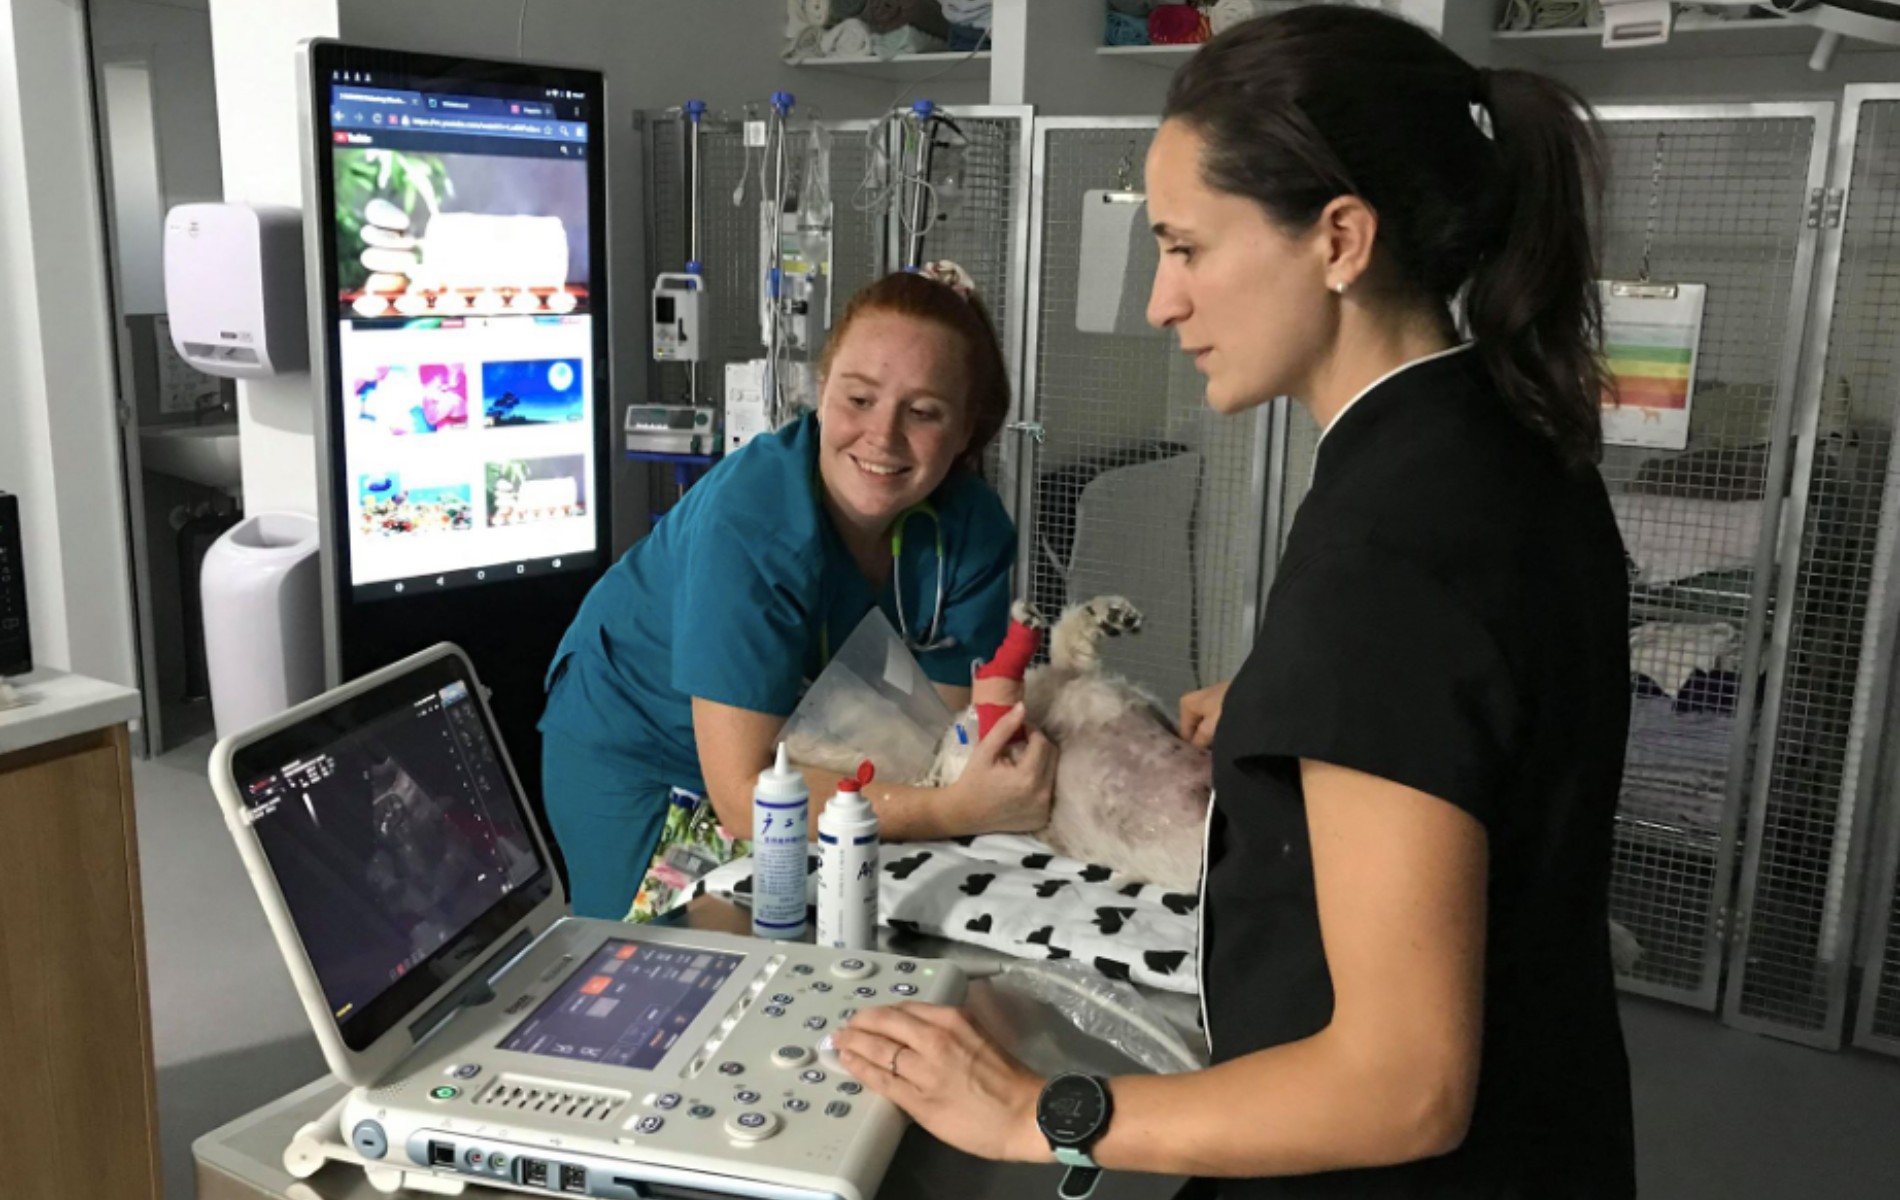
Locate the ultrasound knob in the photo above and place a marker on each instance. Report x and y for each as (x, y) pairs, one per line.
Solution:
(752, 1126)
(790, 1056)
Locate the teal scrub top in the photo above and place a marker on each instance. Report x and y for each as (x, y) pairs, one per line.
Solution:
(738, 594)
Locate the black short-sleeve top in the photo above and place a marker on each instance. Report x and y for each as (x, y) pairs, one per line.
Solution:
(1450, 614)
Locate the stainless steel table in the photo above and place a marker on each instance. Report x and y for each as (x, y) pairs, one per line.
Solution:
(244, 1159)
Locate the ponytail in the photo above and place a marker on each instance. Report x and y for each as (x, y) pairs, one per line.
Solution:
(1533, 303)
(1482, 182)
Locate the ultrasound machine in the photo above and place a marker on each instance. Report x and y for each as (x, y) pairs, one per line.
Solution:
(490, 1038)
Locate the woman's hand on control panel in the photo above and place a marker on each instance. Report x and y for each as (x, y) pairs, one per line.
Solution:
(950, 1077)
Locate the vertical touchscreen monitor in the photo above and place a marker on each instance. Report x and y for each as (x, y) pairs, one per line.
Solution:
(461, 236)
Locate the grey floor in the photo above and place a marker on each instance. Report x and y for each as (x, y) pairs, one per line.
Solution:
(1720, 1114)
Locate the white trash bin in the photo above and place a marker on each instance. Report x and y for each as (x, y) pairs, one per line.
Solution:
(263, 614)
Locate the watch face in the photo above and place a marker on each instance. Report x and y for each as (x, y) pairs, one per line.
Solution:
(1072, 1109)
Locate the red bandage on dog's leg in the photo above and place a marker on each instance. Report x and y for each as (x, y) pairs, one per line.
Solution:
(1014, 656)
(997, 685)
(987, 715)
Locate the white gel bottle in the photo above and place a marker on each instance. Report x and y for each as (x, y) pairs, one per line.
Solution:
(847, 867)
(781, 824)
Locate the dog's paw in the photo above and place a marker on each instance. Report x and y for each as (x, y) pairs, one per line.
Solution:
(1028, 615)
(1114, 615)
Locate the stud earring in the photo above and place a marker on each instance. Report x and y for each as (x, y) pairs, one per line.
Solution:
(1339, 287)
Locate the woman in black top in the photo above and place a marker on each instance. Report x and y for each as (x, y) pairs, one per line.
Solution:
(1406, 974)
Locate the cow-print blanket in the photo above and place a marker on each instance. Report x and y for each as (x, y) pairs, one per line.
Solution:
(1014, 895)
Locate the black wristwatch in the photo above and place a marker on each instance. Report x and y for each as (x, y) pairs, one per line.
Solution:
(1073, 1113)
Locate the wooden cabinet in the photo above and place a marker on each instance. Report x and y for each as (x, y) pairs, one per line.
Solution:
(81, 1113)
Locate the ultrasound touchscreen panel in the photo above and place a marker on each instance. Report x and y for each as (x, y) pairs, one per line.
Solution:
(394, 833)
(627, 1006)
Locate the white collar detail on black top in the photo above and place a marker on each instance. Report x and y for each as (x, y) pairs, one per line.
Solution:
(1373, 386)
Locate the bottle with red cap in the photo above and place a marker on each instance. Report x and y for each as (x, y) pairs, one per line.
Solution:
(847, 867)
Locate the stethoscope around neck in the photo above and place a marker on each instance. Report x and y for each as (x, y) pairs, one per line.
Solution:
(932, 639)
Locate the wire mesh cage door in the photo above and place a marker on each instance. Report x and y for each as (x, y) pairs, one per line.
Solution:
(978, 217)
(1815, 779)
(1135, 487)
(1717, 196)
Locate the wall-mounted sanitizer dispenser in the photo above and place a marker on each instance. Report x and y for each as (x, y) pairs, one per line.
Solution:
(234, 288)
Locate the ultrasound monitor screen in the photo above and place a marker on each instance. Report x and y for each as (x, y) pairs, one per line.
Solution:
(627, 1006)
(398, 842)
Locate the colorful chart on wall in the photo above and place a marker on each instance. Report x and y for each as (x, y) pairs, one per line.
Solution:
(1650, 335)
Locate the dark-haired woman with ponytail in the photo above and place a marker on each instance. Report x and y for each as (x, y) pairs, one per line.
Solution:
(1405, 965)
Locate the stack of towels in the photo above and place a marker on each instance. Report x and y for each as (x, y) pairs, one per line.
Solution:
(884, 28)
(1160, 23)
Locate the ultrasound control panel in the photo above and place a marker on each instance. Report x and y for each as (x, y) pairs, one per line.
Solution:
(699, 1066)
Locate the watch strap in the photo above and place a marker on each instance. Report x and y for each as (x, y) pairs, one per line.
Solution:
(1078, 1183)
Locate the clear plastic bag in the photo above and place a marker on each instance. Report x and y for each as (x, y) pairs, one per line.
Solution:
(873, 701)
(1106, 1010)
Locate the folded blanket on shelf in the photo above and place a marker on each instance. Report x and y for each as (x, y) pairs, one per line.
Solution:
(1014, 895)
(1177, 25)
(889, 16)
(808, 42)
(826, 13)
(1126, 30)
(847, 39)
(965, 38)
(908, 40)
(1228, 13)
(1520, 15)
(976, 13)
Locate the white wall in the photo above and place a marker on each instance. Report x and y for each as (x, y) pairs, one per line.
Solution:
(59, 442)
(254, 46)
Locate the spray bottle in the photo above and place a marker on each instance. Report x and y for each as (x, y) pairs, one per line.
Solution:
(781, 815)
(847, 867)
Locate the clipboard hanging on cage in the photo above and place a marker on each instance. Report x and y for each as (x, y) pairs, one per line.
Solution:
(1651, 332)
(1118, 258)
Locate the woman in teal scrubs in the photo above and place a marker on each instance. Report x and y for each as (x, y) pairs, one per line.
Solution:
(693, 649)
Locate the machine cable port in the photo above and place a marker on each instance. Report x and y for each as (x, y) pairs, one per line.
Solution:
(534, 1172)
(574, 1179)
(441, 1154)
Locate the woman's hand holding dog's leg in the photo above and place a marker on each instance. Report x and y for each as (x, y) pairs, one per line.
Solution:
(1007, 789)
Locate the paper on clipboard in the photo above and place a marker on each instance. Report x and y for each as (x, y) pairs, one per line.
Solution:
(1650, 334)
(1119, 257)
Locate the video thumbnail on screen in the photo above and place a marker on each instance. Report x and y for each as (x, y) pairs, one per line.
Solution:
(404, 400)
(536, 392)
(526, 491)
(386, 508)
(448, 235)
